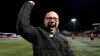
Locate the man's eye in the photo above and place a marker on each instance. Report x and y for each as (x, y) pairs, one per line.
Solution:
(55, 18)
(48, 18)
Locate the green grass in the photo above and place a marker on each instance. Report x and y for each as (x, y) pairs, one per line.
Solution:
(82, 46)
(20, 47)
(15, 47)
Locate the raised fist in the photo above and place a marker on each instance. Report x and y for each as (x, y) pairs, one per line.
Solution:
(32, 2)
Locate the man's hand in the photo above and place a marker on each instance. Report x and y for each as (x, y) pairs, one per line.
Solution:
(32, 2)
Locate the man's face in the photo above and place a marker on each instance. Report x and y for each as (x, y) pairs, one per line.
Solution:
(51, 20)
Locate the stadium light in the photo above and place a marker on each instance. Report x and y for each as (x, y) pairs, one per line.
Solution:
(73, 20)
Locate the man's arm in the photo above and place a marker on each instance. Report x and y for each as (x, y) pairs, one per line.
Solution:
(23, 26)
(69, 50)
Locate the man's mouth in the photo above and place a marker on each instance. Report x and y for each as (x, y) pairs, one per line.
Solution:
(51, 25)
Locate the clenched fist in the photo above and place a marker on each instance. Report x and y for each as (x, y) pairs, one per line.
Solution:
(32, 2)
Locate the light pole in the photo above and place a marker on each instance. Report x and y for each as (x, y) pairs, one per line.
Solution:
(73, 20)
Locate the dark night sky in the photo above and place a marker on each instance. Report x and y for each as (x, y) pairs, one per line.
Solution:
(85, 11)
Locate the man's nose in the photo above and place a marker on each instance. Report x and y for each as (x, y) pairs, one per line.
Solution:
(52, 20)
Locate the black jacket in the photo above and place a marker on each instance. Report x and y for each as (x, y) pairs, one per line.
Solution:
(43, 44)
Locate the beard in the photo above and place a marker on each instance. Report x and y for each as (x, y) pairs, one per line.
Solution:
(51, 25)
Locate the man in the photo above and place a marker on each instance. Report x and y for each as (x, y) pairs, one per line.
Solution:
(73, 36)
(92, 37)
(46, 39)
